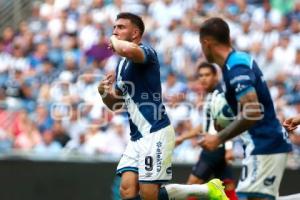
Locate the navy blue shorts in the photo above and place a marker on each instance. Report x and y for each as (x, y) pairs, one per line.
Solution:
(212, 164)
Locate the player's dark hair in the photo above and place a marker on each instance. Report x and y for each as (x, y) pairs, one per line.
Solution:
(217, 28)
(135, 19)
(212, 68)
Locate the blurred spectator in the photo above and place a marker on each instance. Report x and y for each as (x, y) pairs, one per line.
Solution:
(117, 136)
(48, 145)
(173, 88)
(63, 90)
(47, 74)
(99, 52)
(77, 146)
(8, 37)
(38, 56)
(88, 34)
(266, 12)
(5, 141)
(284, 50)
(59, 133)
(76, 124)
(293, 70)
(96, 140)
(29, 136)
(295, 13)
(41, 117)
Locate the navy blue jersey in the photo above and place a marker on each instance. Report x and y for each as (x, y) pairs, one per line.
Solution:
(241, 75)
(140, 86)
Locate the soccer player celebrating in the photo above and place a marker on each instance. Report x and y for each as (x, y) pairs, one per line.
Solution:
(247, 94)
(146, 162)
(210, 163)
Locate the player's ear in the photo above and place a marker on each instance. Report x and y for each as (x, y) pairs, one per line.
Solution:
(205, 41)
(135, 34)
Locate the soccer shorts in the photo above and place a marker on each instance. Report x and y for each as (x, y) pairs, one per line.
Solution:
(261, 176)
(212, 164)
(150, 156)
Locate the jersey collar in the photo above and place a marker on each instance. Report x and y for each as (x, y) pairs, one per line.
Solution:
(231, 52)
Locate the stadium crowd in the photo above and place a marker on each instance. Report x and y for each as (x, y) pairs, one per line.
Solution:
(50, 67)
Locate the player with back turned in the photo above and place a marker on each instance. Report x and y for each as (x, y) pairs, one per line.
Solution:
(146, 162)
(210, 163)
(266, 142)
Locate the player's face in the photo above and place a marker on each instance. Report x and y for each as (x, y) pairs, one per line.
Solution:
(205, 45)
(207, 79)
(124, 30)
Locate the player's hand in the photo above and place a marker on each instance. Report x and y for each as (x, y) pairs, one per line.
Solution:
(105, 85)
(178, 140)
(291, 124)
(110, 43)
(229, 155)
(209, 142)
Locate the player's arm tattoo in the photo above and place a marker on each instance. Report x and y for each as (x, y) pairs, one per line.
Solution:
(250, 112)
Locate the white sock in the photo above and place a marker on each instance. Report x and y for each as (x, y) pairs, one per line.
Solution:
(181, 192)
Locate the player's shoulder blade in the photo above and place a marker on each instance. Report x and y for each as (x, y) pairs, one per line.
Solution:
(147, 47)
(238, 58)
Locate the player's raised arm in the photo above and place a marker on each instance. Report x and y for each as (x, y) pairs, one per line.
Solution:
(110, 97)
(127, 49)
(189, 134)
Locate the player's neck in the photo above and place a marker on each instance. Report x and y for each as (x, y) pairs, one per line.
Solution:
(212, 88)
(136, 41)
(221, 55)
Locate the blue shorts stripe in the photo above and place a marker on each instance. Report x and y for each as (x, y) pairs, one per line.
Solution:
(255, 195)
(126, 169)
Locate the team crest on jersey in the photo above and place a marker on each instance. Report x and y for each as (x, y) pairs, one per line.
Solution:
(269, 180)
(122, 86)
(239, 87)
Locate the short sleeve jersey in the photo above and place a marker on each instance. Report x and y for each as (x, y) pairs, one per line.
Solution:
(140, 86)
(241, 75)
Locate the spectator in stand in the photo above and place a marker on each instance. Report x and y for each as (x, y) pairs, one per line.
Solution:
(48, 145)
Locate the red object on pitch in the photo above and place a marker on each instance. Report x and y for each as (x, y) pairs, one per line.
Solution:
(230, 189)
(192, 198)
(231, 194)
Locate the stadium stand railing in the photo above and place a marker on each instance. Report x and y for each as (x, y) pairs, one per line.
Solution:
(12, 12)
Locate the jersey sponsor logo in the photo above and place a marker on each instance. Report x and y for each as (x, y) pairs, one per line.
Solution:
(269, 181)
(169, 170)
(158, 156)
(148, 174)
(144, 95)
(239, 78)
(240, 88)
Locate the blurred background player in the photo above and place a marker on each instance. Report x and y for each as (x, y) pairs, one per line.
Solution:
(266, 142)
(211, 163)
(146, 162)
